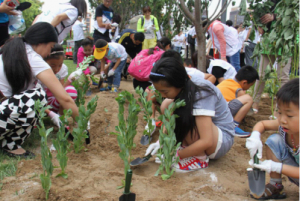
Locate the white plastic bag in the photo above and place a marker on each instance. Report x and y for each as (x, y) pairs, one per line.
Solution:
(16, 23)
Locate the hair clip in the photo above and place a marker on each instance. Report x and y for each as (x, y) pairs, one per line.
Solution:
(56, 52)
(157, 74)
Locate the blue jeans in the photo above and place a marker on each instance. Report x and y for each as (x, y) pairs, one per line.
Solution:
(277, 145)
(234, 60)
(177, 49)
(116, 78)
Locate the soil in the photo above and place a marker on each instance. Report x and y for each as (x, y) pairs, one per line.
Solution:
(96, 173)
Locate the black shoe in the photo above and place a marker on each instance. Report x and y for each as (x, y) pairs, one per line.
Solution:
(23, 6)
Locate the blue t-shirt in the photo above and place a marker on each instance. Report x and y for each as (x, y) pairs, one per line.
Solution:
(3, 16)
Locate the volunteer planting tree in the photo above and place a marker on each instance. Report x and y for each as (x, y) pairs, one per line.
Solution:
(45, 151)
(168, 142)
(147, 108)
(62, 144)
(126, 130)
(81, 133)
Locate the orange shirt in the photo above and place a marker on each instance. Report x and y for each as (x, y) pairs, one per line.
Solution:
(229, 89)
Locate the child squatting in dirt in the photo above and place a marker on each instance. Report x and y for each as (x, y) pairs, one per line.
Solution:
(283, 148)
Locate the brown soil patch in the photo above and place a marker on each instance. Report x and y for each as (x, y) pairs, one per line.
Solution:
(95, 174)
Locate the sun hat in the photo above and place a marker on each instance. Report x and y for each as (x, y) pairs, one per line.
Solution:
(100, 49)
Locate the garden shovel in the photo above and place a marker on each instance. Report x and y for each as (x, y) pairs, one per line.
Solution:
(89, 92)
(139, 161)
(145, 140)
(127, 195)
(256, 179)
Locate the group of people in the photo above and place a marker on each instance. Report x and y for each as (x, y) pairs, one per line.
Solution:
(216, 101)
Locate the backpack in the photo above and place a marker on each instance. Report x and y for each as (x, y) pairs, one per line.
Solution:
(142, 64)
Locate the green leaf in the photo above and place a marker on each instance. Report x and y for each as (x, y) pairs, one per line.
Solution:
(288, 34)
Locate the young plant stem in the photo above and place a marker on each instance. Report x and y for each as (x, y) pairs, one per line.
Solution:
(168, 142)
(126, 130)
(45, 151)
(80, 133)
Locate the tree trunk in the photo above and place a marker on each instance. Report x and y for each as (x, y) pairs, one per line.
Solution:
(201, 47)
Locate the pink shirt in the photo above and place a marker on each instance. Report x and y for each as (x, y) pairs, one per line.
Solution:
(218, 29)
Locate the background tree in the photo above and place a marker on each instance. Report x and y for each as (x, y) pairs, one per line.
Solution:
(201, 9)
(30, 13)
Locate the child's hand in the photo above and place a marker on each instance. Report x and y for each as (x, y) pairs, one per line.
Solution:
(153, 148)
(269, 166)
(75, 75)
(254, 144)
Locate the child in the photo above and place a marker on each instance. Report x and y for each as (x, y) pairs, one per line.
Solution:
(204, 125)
(197, 73)
(234, 92)
(117, 54)
(283, 148)
(222, 70)
(55, 61)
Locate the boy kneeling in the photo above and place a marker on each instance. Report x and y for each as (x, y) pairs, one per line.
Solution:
(234, 92)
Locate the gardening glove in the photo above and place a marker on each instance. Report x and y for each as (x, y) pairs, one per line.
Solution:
(111, 72)
(246, 44)
(54, 118)
(254, 144)
(88, 125)
(269, 166)
(75, 75)
(102, 74)
(153, 148)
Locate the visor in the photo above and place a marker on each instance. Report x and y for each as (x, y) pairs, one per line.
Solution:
(99, 53)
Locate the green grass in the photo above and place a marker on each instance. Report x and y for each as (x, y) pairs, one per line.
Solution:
(71, 66)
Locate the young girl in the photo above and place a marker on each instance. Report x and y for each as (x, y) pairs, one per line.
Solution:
(204, 126)
(283, 148)
(55, 61)
(18, 79)
(62, 16)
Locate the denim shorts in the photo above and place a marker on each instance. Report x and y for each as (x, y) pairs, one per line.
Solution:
(277, 145)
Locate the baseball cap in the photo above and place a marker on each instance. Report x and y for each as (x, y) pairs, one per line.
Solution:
(100, 49)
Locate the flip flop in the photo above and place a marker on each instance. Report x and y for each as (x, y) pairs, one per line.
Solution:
(255, 111)
(26, 155)
(23, 6)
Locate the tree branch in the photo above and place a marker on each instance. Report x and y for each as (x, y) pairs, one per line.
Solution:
(224, 7)
(186, 11)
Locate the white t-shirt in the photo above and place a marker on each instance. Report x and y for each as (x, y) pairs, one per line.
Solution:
(179, 40)
(78, 31)
(116, 51)
(62, 73)
(196, 75)
(230, 70)
(149, 33)
(37, 64)
(52, 10)
(192, 32)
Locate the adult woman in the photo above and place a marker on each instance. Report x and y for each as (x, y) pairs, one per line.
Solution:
(149, 26)
(63, 16)
(18, 80)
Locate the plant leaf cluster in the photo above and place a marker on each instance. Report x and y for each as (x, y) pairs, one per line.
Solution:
(167, 140)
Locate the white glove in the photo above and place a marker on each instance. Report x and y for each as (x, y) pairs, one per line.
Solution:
(88, 125)
(102, 74)
(246, 44)
(75, 75)
(254, 144)
(54, 118)
(114, 24)
(269, 166)
(153, 148)
(111, 72)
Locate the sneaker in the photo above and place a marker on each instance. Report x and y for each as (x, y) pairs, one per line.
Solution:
(114, 90)
(240, 133)
(108, 88)
(191, 164)
(154, 127)
(95, 83)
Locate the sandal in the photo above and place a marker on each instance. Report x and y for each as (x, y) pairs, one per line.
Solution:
(26, 155)
(255, 111)
(272, 192)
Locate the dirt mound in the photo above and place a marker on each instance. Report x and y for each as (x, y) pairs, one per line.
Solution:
(96, 173)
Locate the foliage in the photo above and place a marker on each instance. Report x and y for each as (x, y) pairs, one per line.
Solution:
(61, 143)
(283, 37)
(168, 142)
(147, 108)
(30, 13)
(45, 151)
(81, 85)
(126, 130)
(80, 133)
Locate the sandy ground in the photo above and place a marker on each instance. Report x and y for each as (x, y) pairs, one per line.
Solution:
(96, 173)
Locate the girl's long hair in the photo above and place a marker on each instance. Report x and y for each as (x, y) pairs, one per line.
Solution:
(81, 7)
(56, 52)
(15, 62)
